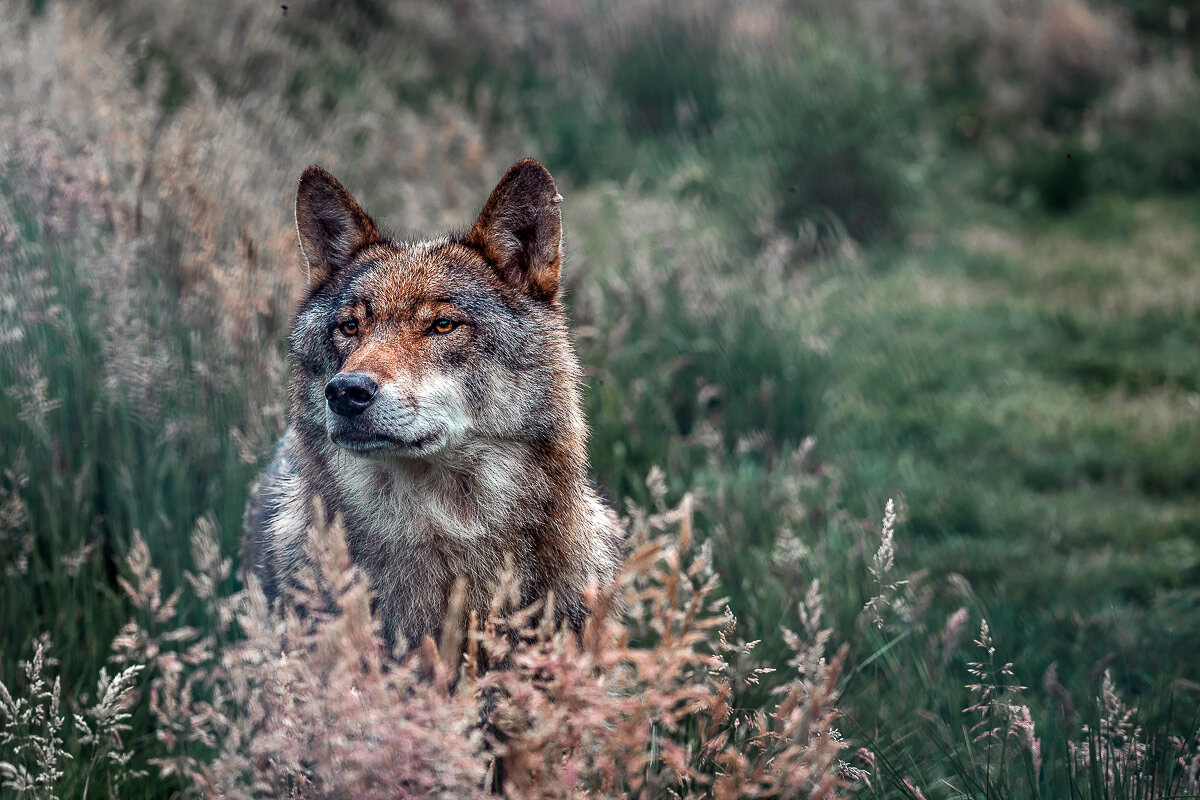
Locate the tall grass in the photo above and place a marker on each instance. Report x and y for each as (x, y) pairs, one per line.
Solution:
(749, 193)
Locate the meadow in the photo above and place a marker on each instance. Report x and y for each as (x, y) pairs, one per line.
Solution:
(891, 321)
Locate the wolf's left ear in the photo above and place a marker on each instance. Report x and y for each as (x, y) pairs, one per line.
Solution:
(520, 230)
(331, 225)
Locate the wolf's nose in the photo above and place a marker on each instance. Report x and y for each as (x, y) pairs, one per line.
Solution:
(350, 393)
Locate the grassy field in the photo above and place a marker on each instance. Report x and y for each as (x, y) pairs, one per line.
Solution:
(818, 258)
(1030, 390)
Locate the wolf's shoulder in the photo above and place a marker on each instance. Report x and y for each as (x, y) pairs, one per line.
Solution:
(267, 495)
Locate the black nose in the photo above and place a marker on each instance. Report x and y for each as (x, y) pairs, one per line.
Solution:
(350, 393)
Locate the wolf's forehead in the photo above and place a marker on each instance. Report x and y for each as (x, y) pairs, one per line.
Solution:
(397, 275)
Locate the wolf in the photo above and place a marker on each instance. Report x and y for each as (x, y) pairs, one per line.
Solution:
(435, 409)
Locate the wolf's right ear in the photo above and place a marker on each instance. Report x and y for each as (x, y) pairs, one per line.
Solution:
(520, 230)
(332, 227)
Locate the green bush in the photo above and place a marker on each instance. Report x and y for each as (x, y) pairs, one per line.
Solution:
(1058, 175)
(818, 134)
(668, 76)
(1164, 18)
(1155, 151)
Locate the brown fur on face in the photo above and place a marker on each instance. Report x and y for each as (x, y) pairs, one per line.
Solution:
(465, 442)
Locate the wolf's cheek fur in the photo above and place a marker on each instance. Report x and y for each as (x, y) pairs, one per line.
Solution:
(433, 406)
(312, 348)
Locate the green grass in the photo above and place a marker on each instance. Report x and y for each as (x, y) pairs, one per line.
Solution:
(1026, 382)
(102, 459)
(1037, 411)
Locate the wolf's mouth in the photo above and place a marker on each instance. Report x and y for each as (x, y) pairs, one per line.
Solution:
(371, 441)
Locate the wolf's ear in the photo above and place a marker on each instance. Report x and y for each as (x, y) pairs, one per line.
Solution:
(331, 225)
(520, 230)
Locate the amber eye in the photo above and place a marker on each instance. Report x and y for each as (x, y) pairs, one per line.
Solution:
(443, 325)
(349, 328)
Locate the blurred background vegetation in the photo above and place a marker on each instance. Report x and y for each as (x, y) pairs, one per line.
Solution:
(820, 254)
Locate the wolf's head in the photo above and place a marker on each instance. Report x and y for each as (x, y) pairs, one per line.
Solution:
(419, 350)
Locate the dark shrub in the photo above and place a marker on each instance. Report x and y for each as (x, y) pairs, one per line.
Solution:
(817, 132)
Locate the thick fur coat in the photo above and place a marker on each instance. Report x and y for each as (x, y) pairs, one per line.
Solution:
(435, 408)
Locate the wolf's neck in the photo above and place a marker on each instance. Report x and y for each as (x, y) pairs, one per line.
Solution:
(484, 494)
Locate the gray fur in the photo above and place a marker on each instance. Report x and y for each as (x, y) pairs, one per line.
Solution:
(475, 444)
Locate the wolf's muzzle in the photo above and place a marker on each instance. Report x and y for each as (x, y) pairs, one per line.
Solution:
(350, 393)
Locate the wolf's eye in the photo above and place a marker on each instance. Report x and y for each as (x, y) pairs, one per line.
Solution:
(349, 328)
(443, 325)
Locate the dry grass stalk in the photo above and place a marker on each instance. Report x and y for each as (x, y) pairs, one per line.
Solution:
(312, 705)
